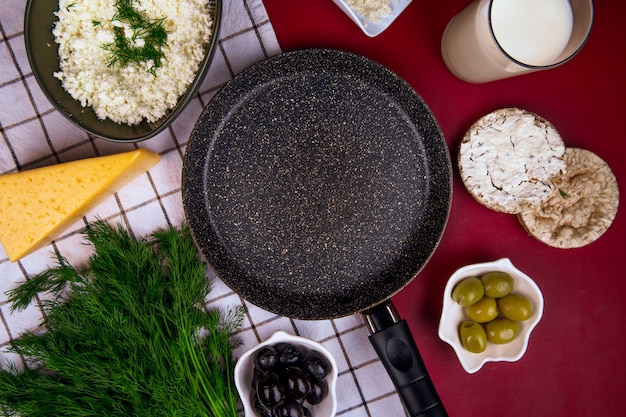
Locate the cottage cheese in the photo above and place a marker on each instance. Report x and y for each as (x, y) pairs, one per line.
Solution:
(131, 93)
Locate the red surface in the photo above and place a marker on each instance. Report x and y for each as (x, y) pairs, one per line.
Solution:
(575, 363)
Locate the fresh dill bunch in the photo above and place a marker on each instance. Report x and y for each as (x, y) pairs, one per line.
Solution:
(124, 335)
(144, 44)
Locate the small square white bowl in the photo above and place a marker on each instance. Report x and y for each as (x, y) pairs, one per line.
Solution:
(452, 315)
(374, 27)
(244, 372)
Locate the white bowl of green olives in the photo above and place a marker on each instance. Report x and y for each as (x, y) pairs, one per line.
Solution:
(489, 311)
(287, 375)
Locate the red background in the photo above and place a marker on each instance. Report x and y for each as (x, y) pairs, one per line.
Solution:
(575, 363)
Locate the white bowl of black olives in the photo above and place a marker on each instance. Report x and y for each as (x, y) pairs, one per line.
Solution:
(489, 311)
(289, 376)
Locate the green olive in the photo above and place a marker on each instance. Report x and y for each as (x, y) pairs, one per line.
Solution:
(501, 330)
(473, 337)
(497, 284)
(515, 307)
(483, 310)
(468, 291)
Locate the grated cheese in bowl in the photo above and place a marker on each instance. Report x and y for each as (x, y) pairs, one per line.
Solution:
(373, 10)
(130, 93)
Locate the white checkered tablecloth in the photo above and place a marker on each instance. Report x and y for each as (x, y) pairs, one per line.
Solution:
(33, 134)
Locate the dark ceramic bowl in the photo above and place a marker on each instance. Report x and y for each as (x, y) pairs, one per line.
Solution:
(42, 52)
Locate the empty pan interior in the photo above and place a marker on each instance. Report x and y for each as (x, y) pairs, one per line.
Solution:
(316, 184)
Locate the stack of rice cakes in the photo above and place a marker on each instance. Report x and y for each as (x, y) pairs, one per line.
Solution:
(515, 161)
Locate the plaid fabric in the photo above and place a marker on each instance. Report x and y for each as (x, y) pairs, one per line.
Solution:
(33, 134)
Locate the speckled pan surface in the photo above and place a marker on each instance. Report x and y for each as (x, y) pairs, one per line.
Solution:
(317, 184)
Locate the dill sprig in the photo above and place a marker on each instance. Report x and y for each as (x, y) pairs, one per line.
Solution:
(143, 44)
(124, 336)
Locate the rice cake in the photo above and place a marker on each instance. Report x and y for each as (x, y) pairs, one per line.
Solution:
(582, 206)
(508, 158)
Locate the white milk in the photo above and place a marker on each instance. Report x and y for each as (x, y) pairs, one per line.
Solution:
(536, 35)
(534, 32)
(467, 46)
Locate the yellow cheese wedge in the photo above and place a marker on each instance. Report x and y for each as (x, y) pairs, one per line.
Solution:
(37, 205)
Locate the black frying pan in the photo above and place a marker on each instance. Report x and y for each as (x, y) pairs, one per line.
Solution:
(317, 184)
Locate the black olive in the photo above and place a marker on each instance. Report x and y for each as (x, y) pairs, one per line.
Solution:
(288, 354)
(315, 366)
(291, 408)
(256, 374)
(319, 389)
(296, 382)
(261, 409)
(307, 413)
(265, 358)
(270, 391)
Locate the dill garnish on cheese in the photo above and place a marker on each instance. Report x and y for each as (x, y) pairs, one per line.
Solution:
(137, 37)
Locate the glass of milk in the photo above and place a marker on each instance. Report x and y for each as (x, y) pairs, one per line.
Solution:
(494, 39)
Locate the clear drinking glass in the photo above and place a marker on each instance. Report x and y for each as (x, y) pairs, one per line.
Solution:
(494, 39)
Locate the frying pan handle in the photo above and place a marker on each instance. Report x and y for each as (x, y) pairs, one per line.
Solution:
(392, 340)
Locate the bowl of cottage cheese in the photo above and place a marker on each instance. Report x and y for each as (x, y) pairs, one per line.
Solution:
(121, 70)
